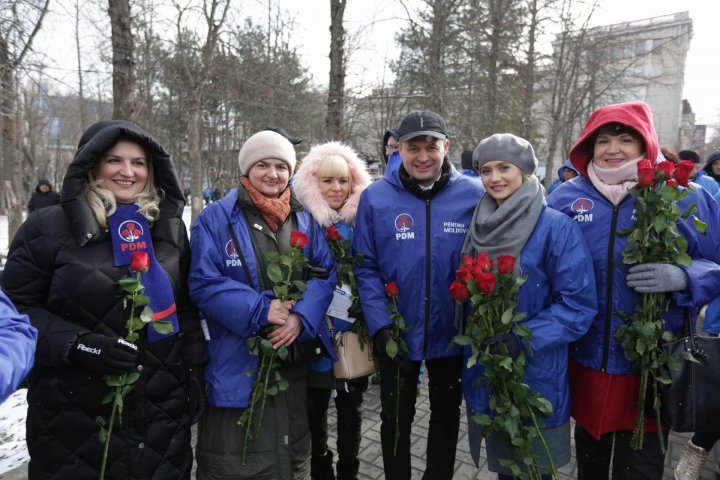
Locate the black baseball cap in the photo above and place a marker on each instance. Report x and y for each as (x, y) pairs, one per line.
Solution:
(424, 122)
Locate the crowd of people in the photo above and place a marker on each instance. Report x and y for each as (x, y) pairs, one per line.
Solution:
(111, 308)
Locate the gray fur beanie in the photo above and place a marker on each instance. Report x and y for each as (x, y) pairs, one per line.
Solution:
(506, 147)
(264, 145)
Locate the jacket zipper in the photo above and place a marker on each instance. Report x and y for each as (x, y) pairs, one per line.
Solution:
(428, 259)
(609, 289)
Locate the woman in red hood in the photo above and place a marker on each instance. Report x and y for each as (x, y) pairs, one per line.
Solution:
(603, 382)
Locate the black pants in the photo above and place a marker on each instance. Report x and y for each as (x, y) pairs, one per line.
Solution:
(348, 403)
(445, 397)
(706, 440)
(593, 456)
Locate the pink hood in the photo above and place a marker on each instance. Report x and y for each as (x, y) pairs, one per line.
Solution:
(634, 114)
(306, 189)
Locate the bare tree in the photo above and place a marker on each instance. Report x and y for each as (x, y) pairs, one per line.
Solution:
(123, 58)
(336, 86)
(16, 37)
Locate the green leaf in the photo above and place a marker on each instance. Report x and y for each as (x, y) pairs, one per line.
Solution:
(102, 434)
(391, 348)
(462, 340)
(142, 300)
(132, 337)
(112, 380)
(146, 315)
(131, 378)
(274, 272)
(162, 327)
(700, 226)
(282, 352)
(507, 316)
(683, 259)
(128, 284)
(107, 399)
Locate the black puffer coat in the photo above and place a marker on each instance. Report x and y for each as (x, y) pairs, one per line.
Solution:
(60, 272)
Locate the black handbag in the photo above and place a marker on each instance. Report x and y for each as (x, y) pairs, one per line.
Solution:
(692, 402)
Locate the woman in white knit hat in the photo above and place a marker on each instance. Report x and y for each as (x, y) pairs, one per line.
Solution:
(229, 283)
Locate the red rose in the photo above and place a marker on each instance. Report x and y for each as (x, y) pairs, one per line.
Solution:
(463, 274)
(391, 289)
(666, 168)
(467, 261)
(459, 291)
(333, 233)
(483, 261)
(671, 183)
(139, 262)
(486, 283)
(646, 173)
(298, 239)
(683, 171)
(505, 264)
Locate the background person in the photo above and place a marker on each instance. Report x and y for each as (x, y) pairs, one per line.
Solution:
(329, 183)
(229, 283)
(712, 166)
(62, 272)
(558, 296)
(409, 228)
(43, 196)
(565, 172)
(604, 384)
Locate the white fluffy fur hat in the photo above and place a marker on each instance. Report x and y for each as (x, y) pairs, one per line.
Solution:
(264, 145)
(306, 188)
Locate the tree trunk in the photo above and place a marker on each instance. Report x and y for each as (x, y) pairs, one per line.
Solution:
(123, 63)
(528, 94)
(194, 151)
(336, 87)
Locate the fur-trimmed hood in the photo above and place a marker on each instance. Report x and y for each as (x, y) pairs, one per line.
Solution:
(306, 189)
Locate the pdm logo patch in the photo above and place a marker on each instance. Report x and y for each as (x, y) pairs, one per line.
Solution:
(582, 208)
(233, 257)
(404, 224)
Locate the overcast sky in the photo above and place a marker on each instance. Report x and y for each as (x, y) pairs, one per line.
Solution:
(374, 22)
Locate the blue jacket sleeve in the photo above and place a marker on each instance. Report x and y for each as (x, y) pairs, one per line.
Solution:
(704, 249)
(371, 287)
(17, 347)
(569, 270)
(319, 292)
(229, 302)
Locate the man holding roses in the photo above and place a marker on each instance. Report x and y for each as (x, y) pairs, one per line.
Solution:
(410, 228)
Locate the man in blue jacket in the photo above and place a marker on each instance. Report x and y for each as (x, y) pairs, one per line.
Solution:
(17, 347)
(410, 229)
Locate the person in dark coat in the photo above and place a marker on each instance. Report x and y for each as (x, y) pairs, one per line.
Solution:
(63, 270)
(44, 196)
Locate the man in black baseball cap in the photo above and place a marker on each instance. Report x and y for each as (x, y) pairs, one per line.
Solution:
(410, 228)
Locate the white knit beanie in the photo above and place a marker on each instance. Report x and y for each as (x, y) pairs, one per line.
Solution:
(264, 145)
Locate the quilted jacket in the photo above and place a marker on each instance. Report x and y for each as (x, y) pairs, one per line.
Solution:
(60, 272)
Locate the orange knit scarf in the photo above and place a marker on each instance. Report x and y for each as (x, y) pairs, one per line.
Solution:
(273, 210)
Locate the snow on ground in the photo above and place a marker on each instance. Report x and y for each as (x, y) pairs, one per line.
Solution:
(12, 431)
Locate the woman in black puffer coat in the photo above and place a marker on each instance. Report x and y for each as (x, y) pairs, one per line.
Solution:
(61, 272)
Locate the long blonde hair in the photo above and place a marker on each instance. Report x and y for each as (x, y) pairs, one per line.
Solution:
(103, 204)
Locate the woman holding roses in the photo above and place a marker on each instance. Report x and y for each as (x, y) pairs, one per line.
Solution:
(617, 150)
(230, 282)
(329, 183)
(511, 221)
(121, 195)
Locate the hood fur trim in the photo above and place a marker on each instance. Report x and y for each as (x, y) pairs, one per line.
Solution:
(306, 188)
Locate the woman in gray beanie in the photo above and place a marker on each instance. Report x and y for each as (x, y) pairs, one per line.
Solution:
(558, 298)
(230, 284)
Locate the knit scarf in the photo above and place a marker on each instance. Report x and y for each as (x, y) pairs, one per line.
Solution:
(505, 229)
(273, 210)
(614, 183)
(130, 233)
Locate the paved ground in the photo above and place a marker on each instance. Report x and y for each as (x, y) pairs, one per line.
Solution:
(371, 455)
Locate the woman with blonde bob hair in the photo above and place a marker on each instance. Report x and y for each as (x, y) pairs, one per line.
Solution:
(328, 184)
(120, 197)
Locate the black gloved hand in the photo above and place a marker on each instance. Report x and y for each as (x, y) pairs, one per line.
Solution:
(316, 273)
(197, 398)
(106, 355)
(381, 339)
(511, 342)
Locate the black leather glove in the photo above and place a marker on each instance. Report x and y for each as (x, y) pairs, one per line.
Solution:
(381, 339)
(511, 342)
(316, 273)
(106, 355)
(197, 398)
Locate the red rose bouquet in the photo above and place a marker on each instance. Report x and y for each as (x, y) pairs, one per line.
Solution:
(654, 239)
(121, 385)
(281, 269)
(515, 407)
